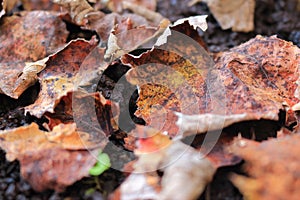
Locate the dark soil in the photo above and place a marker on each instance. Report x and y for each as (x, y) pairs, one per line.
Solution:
(272, 17)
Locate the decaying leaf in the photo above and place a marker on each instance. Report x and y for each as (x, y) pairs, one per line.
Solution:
(182, 167)
(27, 37)
(238, 14)
(50, 160)
(273, 167)
(250, 82)
(59, 76)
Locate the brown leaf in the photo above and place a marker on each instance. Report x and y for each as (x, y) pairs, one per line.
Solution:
(48, 159)
(25, 38)
(91, 112)
(78, 10)
(56, 168)
(117, 5)
(40, 5)
(6, 6)
(103, 26)
(59, 76)
(30, 138)
(250, 82)
(238, 14)
(181, 165)
(273, 167)
(125, 38)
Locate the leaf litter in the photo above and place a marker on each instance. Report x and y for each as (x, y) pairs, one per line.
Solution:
(259, 81)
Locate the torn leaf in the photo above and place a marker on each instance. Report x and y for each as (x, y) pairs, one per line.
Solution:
(58, 78)
(27, 37)
(250, 82)
(238, 14)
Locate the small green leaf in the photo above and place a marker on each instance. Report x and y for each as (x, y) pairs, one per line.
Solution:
(102, 164)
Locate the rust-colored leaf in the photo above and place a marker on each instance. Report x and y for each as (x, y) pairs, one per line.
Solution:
(250, 82)
(59, 76)
(24, 38)
(273, 167)
(50, 160)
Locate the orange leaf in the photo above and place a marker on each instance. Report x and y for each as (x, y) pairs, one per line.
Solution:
(273, 167)
(51, 160)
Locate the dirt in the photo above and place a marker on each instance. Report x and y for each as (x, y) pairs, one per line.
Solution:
(271, 17)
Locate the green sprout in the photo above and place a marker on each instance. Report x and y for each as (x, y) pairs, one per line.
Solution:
(102, 164)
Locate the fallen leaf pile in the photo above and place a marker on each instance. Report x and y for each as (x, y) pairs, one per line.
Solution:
(193, 103)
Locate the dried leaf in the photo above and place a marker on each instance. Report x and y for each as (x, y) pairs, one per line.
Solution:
(29, 138)
(250, 82)
(56, 81)
(181, 165)
(103, 26)
(45, 156)
(238, 14)
(6, 6)
(273, 167)
(117, 5)
(150, 15)
(124, 38)
(40, 5)
(56, 168)
(195, 21)
(27, 38)
(78, 10)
